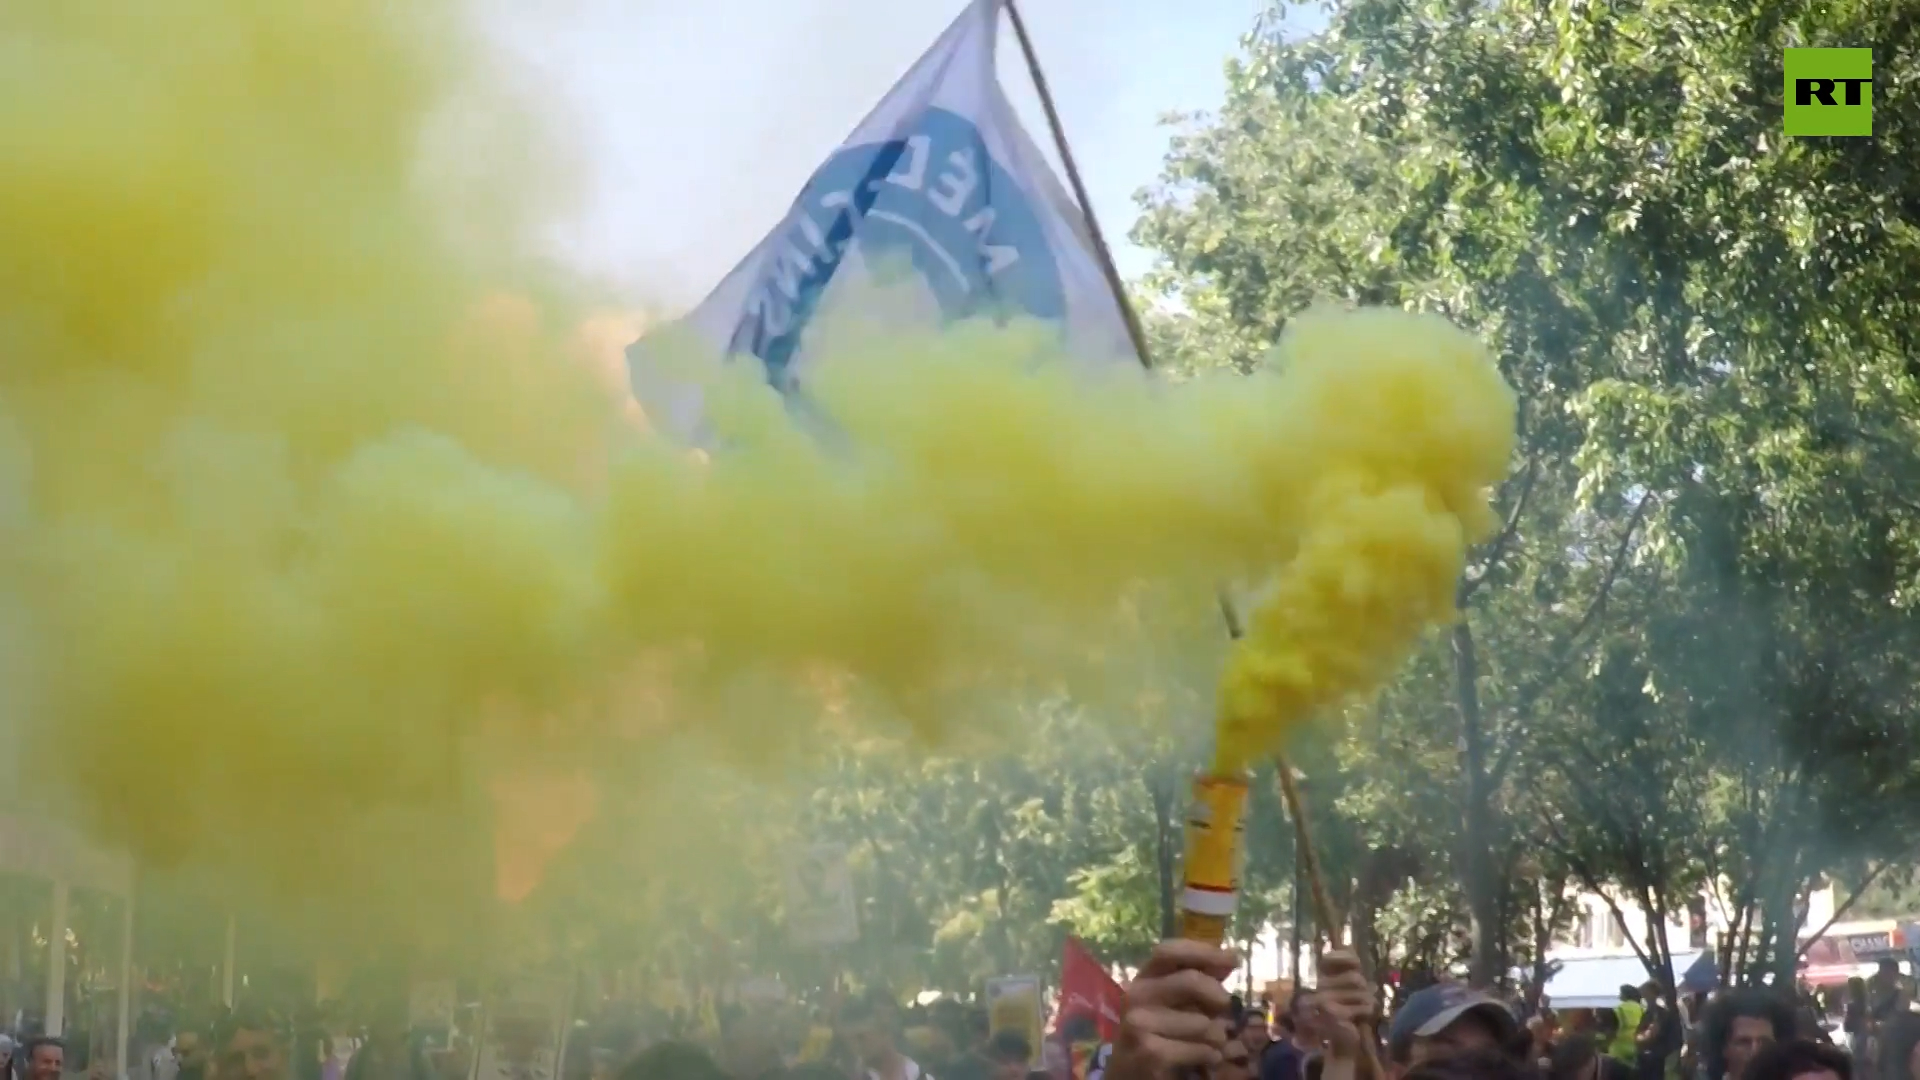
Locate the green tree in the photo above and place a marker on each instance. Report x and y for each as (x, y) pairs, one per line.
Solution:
(1621, 789)
(1697, 314)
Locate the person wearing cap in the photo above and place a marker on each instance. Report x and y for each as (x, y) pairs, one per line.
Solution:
(1445, 1020)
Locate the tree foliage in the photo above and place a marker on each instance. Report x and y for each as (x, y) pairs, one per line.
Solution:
(1701, 599)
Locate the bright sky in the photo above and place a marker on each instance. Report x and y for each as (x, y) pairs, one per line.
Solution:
(703, 121)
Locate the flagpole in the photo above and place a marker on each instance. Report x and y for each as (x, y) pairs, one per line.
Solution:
(1135, 331)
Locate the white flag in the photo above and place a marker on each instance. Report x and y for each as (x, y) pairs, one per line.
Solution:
(941, 179)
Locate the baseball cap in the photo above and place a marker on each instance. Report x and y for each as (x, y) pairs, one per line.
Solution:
(1431, 1011)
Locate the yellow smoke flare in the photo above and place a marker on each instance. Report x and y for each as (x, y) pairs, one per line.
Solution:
(308, 538)
(1388, 518)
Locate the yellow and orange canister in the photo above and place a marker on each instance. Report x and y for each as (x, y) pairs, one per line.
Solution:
(1216, 841)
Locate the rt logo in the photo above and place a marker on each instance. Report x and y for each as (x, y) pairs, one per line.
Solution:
(1829, 92)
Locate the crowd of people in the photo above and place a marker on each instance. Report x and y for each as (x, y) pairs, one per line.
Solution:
(1452, 1032)
(1180, 1023)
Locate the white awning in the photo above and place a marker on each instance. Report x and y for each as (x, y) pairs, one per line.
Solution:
(1594, 982)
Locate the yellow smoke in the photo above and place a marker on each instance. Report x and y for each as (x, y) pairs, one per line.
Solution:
(1410, 424)
(313, 532)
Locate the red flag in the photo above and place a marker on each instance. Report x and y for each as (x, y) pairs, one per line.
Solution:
(1087, 990)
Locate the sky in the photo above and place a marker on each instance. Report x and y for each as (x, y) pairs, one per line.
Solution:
(701, 122)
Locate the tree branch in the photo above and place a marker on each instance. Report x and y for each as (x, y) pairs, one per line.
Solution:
(1496, 550)
(1588, 878)
(1569, 647)
(1866, 881)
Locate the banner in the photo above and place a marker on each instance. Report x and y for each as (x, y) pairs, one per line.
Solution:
(1087, 990)
(821, 909)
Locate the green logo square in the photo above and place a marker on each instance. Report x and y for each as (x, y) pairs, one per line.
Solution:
(1829, 92)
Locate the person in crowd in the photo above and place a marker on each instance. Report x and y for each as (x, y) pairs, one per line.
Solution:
(1853, 1018)
(971, 1031)
(312, 1044)
(673, 1060)
(387, 1054)
(1287, 1059)
(1693, 1014)
(926, 1041)
(869, 1025)
(750, 1047)
(248, 1045)
(1800, 1059)
(979, 1029)
(1886, 995)
(948, 1017)
(972, 1063)
(1476, 1065)
(1097, 1065)
(1280, 1043)
(1658, 1039)
(1176, 1016)
(189, 1055)
(1255, 1035)
(1542, 1036)
(1578, 1057)
(1448, 1019)
(1899, 1057)
(1235, 1061)
(43, 1058)
(1627, 1016)
(830, 1045)
(1807, 1025)
(1606, 1032)
(1739, 1026)
(1079, 1039)
(1344, 1000)
(1010, 1053)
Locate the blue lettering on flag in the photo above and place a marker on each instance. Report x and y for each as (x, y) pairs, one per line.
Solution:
(934, 195)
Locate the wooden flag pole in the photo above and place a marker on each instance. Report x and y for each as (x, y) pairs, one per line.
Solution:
(1310, 865)
(1135, 332)
(1324, 912)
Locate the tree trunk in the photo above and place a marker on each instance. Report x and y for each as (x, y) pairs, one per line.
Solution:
(1660, 948)
(1477, 877)
(1783, 916)
(1366, 941)
(1542, 927)
(1003, 920)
